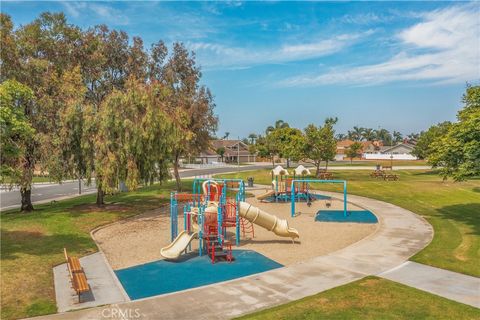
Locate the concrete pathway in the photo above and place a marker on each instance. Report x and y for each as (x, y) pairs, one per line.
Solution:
(448, 284)
(105, 288)
(400, 235)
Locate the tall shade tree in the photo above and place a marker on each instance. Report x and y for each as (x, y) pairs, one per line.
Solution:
(190, 106)
(288, 143)
(457, 153)
(320, 143)
(132, 145)
(18, 139)
(425, 140)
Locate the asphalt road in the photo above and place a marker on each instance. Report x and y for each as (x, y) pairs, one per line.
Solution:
(42, 193)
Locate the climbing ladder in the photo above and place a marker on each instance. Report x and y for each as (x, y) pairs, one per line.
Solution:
(217, 250)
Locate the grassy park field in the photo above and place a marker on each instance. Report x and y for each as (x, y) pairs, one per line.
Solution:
(32, 243)
(369, 298)
(450, 207)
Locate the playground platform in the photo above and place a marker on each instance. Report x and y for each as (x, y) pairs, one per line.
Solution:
(160, 277)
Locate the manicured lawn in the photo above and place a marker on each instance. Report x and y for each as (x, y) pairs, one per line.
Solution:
(451, 208)
(32, 243)
(372, 163)
(370, 298)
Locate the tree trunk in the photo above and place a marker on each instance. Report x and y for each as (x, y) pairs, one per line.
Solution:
(26, 199)
(100, 196)
(317, 164)
(288, 163)
(176, 173)
(273, 161)
(326, 165)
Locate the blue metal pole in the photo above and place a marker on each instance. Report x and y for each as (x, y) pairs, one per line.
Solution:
(237, 222)
(171, 215)
(292, 200)
(201, 211)
(345, 198)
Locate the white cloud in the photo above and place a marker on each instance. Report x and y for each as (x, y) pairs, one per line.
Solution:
(213, 55)
(107, 13)
(443, 48)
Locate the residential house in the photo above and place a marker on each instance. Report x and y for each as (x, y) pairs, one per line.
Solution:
(234, 150)
(401, 151)
(367, 147)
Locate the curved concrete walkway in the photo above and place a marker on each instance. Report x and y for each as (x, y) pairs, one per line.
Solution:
(400, 235)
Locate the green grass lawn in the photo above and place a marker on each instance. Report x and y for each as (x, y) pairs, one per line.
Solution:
(32, 243)
(451, 208)
(372, 163)
(369, 298)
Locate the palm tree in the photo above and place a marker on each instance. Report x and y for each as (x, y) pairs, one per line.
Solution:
(384, 136)
(252, 137)
(397, 137)
(225, 137)
(368, 134)
(278, 125)
(341, 136)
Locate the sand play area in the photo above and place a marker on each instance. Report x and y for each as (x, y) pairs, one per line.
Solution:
(139, 239)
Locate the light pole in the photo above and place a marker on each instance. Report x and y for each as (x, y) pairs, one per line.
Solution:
(391, 162)
(238, 154)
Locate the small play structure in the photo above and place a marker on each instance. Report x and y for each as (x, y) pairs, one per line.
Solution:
(282, 186)
(215, 206)
(299, 189)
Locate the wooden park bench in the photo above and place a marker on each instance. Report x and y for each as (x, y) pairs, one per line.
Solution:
(326, 176)
(77, 275)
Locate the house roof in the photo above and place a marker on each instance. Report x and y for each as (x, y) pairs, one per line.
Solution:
(226, 143)
(390, 148)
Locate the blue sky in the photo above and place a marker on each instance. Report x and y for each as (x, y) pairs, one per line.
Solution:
(398, 65)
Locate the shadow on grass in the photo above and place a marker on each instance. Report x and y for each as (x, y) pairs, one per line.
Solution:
(40, 244)
(467, 213)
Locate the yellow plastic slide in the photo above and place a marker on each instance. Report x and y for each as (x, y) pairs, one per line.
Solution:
(267, 221)
(175, 249)
(266, 195)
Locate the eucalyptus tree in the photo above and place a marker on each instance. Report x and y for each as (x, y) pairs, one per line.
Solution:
(18, 139)
(40, 55)
(190, 106)
(132, 144)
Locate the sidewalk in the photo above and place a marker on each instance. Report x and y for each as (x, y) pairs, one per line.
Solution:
(447, 284)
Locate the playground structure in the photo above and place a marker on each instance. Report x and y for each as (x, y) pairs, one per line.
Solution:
(214, 206)
(282, 186)
(297, 189)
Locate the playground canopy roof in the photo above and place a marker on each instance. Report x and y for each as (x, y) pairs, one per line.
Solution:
(301, 170)
(280, 171)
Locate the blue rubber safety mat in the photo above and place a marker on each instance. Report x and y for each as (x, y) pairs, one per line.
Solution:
(360, 216)
(191, 271)
(288, 198)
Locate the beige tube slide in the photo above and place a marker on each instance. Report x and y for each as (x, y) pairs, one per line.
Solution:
(267, 221)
